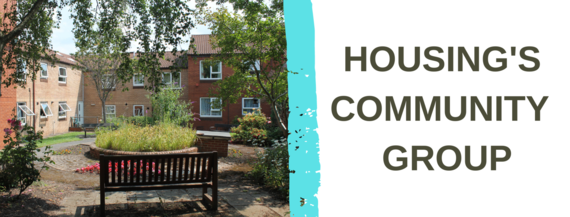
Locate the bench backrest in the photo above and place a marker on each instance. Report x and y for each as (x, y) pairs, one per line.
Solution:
(128, 170)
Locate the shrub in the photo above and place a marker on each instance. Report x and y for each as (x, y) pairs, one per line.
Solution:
(272, 168)
(167, 108)
(163, 136)
(17, 160)
(142, 121)
(251, 128)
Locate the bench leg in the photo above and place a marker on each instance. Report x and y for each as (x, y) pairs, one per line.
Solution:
(102, 206)
(204, 192)
(215, 197)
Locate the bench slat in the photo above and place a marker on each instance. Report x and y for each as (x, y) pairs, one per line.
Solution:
(119, 172)
(197, 172)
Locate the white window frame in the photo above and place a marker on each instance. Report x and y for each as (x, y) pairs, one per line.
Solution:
(211, 109)
(60, 76)
(103, 82)
(243, 104)
(171, 84)
(47, 73)
(135, 84)
(64, 110)
(45, 112)
(210, 78)
(106, 114)
(134, 111)
(25, 74)
(257, 66)
(22, 119)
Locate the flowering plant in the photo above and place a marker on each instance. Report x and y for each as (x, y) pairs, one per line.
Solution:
(17, 159)
(252, 128)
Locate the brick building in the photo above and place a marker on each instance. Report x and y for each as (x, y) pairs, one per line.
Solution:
(48, 103)
(201, 79)
(133, 102)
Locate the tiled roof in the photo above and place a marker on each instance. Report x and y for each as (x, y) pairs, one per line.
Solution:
(65, 58)
(202, 44)
(166, 62)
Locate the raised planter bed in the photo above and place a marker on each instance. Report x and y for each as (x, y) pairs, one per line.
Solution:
(96, 151)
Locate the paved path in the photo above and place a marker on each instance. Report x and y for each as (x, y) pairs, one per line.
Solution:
(66, 144)
(234, 200)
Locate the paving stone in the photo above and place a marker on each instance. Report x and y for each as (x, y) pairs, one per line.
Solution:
(282, 209)
(255, 210)
(115, 198)
(240, 199)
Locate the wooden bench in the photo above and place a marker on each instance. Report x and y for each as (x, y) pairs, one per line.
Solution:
(225, 126)
(168, 171)
(92, 127)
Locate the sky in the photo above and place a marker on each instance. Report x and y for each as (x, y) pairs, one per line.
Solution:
(64, 41)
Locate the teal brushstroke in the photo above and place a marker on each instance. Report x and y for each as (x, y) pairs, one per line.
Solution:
(305, 182)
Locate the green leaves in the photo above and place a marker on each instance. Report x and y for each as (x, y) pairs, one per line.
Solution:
(255, 34)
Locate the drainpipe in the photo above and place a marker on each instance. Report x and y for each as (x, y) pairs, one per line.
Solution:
(34, 101)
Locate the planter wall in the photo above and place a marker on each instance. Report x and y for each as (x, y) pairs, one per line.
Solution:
(96, 151)
(219, 144)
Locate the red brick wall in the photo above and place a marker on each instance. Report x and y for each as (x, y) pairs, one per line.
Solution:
(7, 104)
(209, 144)
(200, 88)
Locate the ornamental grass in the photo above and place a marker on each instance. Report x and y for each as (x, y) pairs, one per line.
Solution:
(150, 138)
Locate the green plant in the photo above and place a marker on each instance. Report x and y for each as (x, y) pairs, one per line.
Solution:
(163, 136)
(251, 129)
(17, 159)
(167, 108)
(272, 168)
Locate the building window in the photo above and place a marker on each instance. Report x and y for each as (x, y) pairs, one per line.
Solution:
(207, 109)
(62, 75)
(44, 70)
(63, 109)
(22, 72)
(23, 112)
(138, 110)
(107, 82)
(138, 80)
(110, 111)
(256, 65)
(172, 79)
(248, 104)
(210, 70)
(45, 111)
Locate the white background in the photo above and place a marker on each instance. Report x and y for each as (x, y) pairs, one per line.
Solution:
(355, 182)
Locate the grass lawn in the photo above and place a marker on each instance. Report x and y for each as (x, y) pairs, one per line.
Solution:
(68, 137)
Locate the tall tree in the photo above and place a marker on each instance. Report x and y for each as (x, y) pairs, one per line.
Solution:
(158, 26)
(25, 31)
(100, 66)
(252, 41)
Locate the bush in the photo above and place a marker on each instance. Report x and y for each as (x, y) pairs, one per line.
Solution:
(142, 121)
(167, 108)
(17, 160)
(163, 136)
(272, 168)
(251, 128)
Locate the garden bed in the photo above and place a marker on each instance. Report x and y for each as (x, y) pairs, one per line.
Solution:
(96, 151)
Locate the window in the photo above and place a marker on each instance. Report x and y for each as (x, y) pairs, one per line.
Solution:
(207, 108)
(23, 112)
(44, 72)
(138, 80)
(62, 75)
(256, 65)
(138, 110)
(110, 111)
(63, 109)
(45, 111)
(210, 71)
(248, 104)
(107, 82)
(172, 79)
(22, 72)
